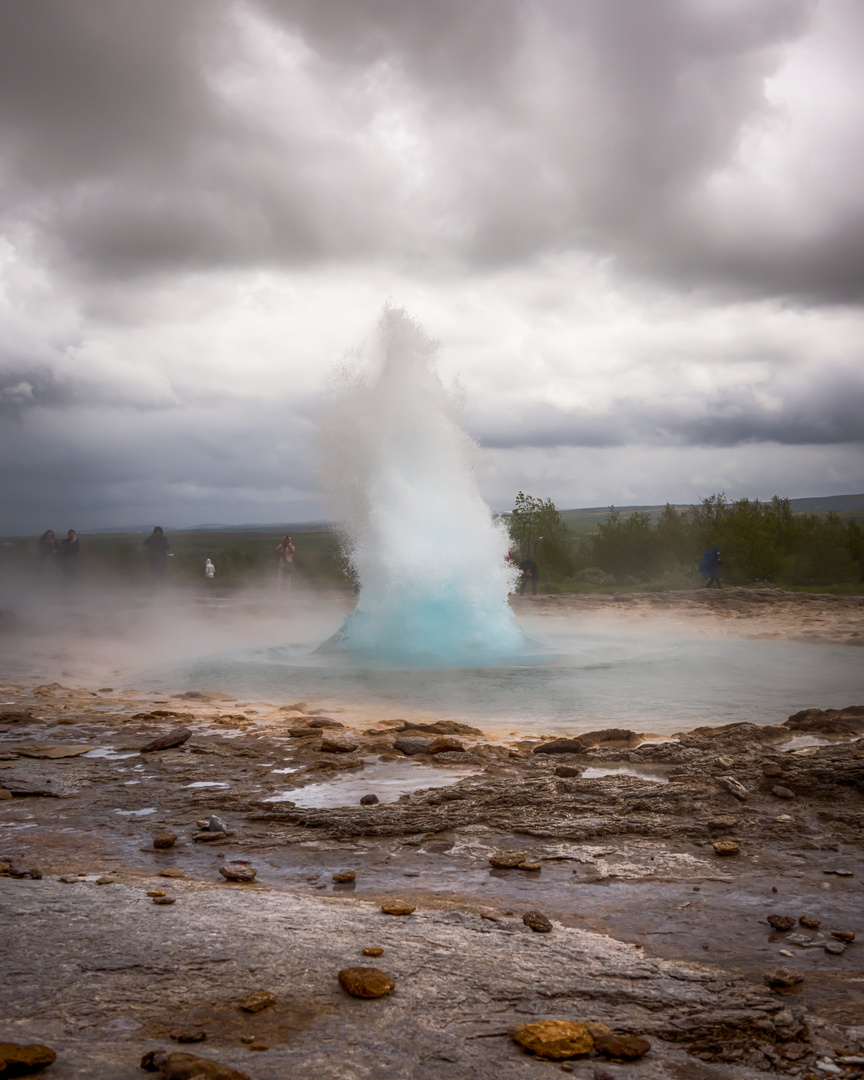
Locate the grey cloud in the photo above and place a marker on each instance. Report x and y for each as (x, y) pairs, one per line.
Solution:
(540, 127)
(98, 467)
(828, 412)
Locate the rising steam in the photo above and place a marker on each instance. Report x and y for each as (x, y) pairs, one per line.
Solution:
(430, 562)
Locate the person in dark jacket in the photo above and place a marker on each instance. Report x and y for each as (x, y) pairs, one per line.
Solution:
(48, 548)
(157, 550)
(69, 549)
(529, 573)
(709, 566)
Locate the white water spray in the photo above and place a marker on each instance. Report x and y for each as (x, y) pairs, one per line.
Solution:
(430, 561)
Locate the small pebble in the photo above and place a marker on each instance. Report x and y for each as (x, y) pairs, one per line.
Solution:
(397, 908)
(164, 899)
(345, 876)
(172, 872)
(373, 950)
(155, 892)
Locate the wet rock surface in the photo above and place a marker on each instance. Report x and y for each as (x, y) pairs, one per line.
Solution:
(653, 937)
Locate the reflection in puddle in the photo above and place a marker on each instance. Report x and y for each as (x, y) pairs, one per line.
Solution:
(137, 813)
(208, 783)
(643, 772)
(386, 779)
(107, 752)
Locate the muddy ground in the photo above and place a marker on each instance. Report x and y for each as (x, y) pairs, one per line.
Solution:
(653, 932)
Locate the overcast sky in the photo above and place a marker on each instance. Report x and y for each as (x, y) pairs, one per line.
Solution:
(637, 230)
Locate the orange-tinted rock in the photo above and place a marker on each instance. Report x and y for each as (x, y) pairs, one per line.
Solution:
(365, 982)
(555, 1039)
(396, 907)
(20, 1059)
(165, 840)
(726, 847)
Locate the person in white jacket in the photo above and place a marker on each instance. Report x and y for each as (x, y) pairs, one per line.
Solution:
(209, 570)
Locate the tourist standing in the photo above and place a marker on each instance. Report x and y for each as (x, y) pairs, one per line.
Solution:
(69, 549)
(209, 570)
(157, 551)
(709, 566)
(47, 548)
(285, 553)
(529, 573)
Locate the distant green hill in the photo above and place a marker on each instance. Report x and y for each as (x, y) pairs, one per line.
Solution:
(845, 506)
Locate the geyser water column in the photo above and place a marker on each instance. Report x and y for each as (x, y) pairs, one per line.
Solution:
(430, 561)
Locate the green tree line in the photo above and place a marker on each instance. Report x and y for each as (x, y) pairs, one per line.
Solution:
(760, 542)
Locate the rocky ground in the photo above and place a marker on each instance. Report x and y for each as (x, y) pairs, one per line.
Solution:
(700, 892)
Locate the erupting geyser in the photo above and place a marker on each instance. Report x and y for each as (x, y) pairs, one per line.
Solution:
(430, 561)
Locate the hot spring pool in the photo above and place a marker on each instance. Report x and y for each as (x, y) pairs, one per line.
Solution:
(585, 679)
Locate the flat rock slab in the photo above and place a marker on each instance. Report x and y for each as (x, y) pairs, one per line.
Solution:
(460, 982)
(53, 750)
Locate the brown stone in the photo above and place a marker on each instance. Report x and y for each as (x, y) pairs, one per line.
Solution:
(781, 792)
(261, 999)
(533, 867)
(621, 1047)
(105, 880)
(165, 742)
(182, 1066)
(5, 793)
(561, 746)
(722, 823)
(368, 800)
(444, 746)
(507, 860)
(330, 745)
(164, 900)
(538, 922)
(726, 847)
(555, 1039)
(781, 922)
(843, 935)
(373, 950)
(238, 871)
(772, 771)
(568, 770)
(188, 1036)
(365, 982)
(207, 837)
(172, 872)
(811, 924)
(345, 876)
(155, 892)
(165, 840)
(782, 978)
(396, 907)
(19, 1059)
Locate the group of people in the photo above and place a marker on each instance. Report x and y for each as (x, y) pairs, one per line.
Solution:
(59, 555)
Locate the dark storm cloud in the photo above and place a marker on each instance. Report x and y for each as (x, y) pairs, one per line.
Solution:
(142, 137)
(99, 467)
(825, 413)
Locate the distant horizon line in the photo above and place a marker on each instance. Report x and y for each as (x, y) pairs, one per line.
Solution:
(854, 501)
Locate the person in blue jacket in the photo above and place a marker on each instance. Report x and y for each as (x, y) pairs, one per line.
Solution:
(709, 566)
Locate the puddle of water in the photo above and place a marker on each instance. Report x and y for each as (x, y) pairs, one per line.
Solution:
(137, 813)
(643, 772)
(18, 824)
(126, 783)
(386, 779)
(800, 742)
(208, 783)
(291, 768)
(108, 753)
